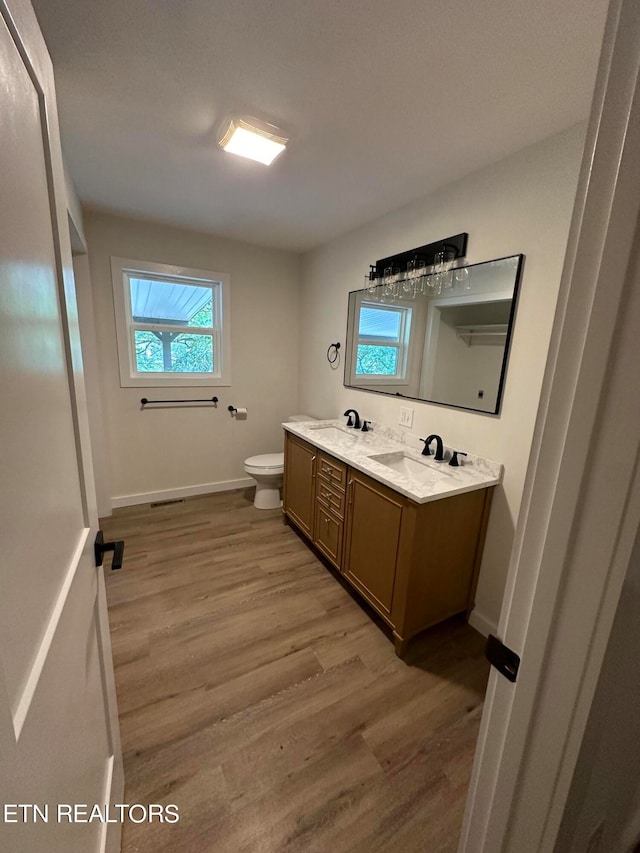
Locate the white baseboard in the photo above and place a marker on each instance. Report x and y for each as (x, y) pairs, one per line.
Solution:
(480, 622)
(185, 492)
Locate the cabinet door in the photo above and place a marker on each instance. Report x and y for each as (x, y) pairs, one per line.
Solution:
(299, 483)
(328, 535)
(374, 517)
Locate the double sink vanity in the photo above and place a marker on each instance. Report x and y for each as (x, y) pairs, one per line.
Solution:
(405, 531)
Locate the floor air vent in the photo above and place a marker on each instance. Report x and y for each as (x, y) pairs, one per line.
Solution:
(167, 503)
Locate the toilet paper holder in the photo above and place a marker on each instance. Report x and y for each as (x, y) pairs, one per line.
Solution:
(237, 411)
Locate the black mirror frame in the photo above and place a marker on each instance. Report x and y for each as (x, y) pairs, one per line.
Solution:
(505, 360)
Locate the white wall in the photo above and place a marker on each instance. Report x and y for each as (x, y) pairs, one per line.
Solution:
(158, 454)
(465, 369)
(520, 205)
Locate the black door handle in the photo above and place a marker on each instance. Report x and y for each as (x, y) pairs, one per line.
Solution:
(100, 546)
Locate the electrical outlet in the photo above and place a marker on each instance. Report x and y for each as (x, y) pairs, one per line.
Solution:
(406, 417)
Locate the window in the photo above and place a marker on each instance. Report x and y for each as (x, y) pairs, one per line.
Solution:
(172, 324)
(383, 336)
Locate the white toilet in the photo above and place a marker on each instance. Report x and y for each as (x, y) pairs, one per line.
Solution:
(267, 470)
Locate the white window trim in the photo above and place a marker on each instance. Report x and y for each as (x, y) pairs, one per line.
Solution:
(402, 345)
(129, 377)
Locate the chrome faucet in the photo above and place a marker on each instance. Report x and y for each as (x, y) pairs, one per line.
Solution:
(351, 423)
(439, 456)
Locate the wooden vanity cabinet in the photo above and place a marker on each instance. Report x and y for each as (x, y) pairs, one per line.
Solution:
(299, 483)
(415, 564)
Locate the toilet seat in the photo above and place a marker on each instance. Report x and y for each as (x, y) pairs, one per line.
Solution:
(265, 464)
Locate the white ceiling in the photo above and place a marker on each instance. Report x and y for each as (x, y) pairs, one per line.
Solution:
(384, 100)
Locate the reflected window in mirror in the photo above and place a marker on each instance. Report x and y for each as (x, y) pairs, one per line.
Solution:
(442, 345)
(384, 333)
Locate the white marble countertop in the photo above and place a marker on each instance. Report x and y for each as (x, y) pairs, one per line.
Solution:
(422, 478)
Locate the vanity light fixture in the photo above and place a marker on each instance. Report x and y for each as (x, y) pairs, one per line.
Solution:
(424, 269)
(257, 141)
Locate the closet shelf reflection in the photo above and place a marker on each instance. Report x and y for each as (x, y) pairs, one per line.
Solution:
(490, 335)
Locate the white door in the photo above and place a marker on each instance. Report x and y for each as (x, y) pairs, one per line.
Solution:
(581, 507)
(59, 739)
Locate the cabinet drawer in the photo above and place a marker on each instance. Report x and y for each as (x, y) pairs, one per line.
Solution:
(332, 470)
(328, 536)
(330, 497)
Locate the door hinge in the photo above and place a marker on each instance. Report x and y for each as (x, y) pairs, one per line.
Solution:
(502, 657)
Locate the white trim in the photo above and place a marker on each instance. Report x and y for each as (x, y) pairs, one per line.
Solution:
(480, 622)
(576, 530)
(182, 492)
(220, 283)
(26, 697)
(115, 771)
(106, 799)
(74, 211)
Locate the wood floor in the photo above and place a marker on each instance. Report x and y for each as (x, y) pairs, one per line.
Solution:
(258, 695)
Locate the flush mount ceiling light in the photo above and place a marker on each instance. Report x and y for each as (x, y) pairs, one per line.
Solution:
(247, 139)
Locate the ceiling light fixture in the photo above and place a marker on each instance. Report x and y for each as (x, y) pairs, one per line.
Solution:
(246, 139)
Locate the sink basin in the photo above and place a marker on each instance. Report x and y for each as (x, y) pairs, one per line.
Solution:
(335, 433)
(424, 473)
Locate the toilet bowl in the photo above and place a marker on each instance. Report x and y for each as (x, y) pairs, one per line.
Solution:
(267, 470)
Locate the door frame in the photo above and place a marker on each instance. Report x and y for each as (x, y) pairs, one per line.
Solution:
(581, 506)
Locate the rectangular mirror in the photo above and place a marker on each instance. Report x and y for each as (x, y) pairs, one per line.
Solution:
(442, 338)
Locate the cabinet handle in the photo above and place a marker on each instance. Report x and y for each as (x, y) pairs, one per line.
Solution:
(313, 469)
(350, 484)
